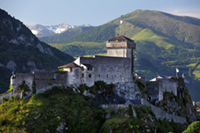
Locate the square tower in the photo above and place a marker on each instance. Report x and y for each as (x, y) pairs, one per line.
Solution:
(121, 46)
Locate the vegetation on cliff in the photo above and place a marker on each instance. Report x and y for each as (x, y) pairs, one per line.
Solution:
(66, 110)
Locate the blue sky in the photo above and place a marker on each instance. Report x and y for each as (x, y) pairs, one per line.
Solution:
(94, 12)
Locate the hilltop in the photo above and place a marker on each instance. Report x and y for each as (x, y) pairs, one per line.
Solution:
(164, 42)
(21, 51)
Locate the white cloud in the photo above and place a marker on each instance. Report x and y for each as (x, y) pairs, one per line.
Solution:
(192, 12)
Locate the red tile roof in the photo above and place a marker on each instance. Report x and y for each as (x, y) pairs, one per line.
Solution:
(72, 64)
(120, 38)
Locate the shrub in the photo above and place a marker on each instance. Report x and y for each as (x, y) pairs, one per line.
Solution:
(4, 100)
(193, 128)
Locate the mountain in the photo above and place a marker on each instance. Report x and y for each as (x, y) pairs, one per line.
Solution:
(63, 35)
(40, 30)
(164, 42)
(21, 51)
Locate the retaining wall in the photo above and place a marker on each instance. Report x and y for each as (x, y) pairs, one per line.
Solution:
(162, 114)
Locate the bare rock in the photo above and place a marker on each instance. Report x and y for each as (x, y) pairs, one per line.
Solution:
(11, 65)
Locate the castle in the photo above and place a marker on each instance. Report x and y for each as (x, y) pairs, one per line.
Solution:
(117, 66)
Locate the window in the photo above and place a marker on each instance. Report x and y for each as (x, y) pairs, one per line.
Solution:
(70, 69)
(99, 75)
(82, 75)
(107, 75)
(89, 68)
(90, 75)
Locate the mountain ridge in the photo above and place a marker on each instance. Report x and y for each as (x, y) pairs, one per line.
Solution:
(41, 30)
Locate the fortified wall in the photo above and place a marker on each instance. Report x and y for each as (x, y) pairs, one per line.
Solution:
(162, 114)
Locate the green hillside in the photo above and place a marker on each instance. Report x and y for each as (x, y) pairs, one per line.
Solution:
(71, 32)
(81, 48)
(21, 51)
(163, 40)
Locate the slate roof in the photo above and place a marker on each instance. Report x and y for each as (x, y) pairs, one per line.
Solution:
(70, 65)
(87, 65)
(135, 101)
(120, 38)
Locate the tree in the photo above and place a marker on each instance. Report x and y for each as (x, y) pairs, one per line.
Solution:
(193, 128)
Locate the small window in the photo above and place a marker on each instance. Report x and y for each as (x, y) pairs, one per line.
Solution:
(90, 75)
(107, 75)
(70, 69)
(99, 75)
(89, 68)
(82, 75)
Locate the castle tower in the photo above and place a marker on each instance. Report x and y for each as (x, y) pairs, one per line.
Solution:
(121, 46)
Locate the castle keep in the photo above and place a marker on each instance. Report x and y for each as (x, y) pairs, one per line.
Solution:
(117, 66)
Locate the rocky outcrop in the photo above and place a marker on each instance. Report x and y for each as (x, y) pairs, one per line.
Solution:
(44, 50)
(11, 65)
(127, 90)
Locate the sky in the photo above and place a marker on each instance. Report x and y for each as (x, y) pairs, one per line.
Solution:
(93, 12)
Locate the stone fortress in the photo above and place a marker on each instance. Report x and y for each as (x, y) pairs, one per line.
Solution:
(116, 67)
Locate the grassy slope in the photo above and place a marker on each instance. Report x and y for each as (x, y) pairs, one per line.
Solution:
(81, 48)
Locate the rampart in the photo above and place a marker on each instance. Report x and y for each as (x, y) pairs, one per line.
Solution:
(162, 114)
(8, 95)
(46, 80)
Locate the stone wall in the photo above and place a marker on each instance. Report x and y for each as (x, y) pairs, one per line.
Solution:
(46, 80)
(8, 95)
(109, 69)
(87, 77)
(17, 80)
(114, 107)
(156, 88)
(74, 77)
(162, 114)
(167, 85)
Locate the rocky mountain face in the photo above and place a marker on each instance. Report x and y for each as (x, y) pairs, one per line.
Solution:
(21, 51)
(41, 30)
